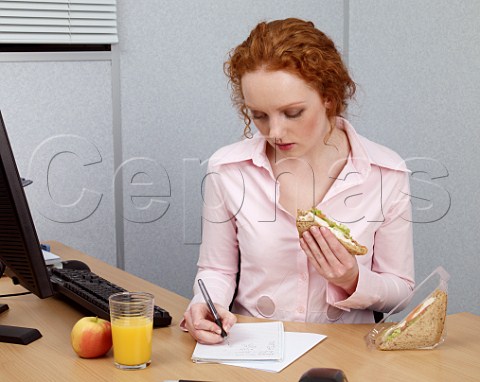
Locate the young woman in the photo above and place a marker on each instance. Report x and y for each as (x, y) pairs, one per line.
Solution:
(288, 79)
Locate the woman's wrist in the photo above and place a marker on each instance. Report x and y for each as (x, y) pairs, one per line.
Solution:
(350, 287)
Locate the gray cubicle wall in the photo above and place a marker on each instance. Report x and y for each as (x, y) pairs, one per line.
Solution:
(417, 68)
(58, 112)
(418, 65)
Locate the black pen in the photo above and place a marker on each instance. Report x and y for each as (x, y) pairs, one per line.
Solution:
(209, 302)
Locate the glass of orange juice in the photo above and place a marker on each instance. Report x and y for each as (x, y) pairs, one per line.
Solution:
(131, 316)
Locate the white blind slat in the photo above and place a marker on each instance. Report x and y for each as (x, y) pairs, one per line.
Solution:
(16, 38)
(37, 21)
(63, 1)
(93, 22)
(58, 21)
(31, 13)
(92, 15)
(94, 39)
(30, 5)
(34, 29)
(36, 1)
(92, 30)
(91, 8)
(106, 2)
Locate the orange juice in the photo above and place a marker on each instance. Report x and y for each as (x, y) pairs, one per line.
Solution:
(132, 340)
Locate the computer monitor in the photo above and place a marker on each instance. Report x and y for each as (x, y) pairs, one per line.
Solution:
(20, 248)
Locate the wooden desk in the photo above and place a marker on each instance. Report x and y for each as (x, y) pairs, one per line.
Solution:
(51, 358)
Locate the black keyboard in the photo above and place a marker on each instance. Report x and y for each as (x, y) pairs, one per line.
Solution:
(92, 292)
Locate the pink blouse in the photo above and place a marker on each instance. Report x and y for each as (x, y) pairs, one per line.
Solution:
(246, 229)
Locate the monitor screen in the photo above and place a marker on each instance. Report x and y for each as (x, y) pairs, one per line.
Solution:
(20, 248)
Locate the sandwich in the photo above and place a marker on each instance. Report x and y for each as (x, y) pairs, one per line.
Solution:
(422, 328)
(315, 217)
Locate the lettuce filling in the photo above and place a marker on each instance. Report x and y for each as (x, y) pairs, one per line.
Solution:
(343, 228)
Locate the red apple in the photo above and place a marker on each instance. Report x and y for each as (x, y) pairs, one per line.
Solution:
(91, 337)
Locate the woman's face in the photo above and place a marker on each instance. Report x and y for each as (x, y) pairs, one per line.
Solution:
(286, 111)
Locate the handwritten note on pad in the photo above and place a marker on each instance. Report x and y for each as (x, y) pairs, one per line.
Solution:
(253, 341)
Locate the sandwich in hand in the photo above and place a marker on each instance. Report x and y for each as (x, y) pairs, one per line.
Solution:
(422, 328)
(315, 217)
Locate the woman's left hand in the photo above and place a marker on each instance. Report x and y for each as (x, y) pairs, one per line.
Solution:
(330, 258)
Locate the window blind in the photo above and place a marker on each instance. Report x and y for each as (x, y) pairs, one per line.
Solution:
(58, 21)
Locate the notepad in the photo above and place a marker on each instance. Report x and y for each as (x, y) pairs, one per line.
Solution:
(253, 341)
(296, 345)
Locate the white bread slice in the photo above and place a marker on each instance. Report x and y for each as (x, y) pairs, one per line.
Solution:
(423, 331)
(352, 246)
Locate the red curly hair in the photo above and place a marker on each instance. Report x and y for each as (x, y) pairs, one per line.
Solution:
(295, 46)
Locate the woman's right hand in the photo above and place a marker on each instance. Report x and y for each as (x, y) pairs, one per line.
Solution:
(200, 323)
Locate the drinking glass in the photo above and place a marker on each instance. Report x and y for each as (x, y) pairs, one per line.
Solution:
(131, 316)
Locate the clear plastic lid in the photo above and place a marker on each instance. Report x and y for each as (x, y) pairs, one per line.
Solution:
(417, 322)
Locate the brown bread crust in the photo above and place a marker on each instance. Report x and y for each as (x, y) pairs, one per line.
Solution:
(426, 330)
(302, 226)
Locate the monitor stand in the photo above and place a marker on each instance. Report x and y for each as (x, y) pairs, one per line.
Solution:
(17, 334)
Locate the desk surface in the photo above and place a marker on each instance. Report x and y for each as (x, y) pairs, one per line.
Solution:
(51, 358)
